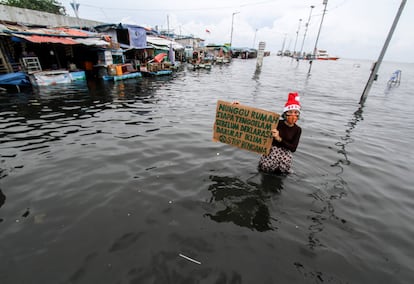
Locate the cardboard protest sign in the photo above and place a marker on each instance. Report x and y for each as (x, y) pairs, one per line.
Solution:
(244, 127)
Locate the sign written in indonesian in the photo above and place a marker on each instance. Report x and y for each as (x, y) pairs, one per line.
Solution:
(244, 127)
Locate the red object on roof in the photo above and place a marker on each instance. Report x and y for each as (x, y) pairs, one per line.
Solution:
(72, 32)
(159, 57)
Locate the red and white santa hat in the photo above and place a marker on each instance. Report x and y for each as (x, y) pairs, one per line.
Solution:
(292, 102)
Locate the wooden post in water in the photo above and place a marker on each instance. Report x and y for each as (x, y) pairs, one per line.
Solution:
(377, 64)
(260, 54)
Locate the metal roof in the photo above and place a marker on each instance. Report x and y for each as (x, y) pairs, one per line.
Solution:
(159, 42)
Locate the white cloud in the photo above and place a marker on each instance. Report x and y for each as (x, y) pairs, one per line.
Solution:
(351, 28)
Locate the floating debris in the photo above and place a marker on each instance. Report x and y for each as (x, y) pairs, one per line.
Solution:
(189, 258)
(39, 218)
(395, 79)
(26, 213)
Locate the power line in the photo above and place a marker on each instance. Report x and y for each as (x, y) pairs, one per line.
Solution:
(177, 10)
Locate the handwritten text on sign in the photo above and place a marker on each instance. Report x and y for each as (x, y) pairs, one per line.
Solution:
(244, 127)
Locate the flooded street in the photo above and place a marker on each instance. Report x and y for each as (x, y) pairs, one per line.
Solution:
(106, 182)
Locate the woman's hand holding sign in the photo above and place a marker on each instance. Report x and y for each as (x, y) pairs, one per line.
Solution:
(275, 134)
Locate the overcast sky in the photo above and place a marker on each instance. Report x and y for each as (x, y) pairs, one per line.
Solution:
(355, 29)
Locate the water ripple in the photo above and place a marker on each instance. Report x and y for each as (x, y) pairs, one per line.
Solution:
(122, 178)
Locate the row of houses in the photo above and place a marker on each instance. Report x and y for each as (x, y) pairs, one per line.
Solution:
(93, 49)
(97, 51)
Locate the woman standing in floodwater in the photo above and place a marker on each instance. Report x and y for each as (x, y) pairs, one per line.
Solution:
(285, 139)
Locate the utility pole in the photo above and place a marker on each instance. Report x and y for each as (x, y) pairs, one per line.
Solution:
(232, 21)
(296, 40)
(325, 2)
(283, 45)
(376, 66)
(306, 29)
(254, 39)
(75, 7)
(168, 26)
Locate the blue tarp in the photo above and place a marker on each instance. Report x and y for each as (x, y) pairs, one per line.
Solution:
(137, 36)
(17, 78)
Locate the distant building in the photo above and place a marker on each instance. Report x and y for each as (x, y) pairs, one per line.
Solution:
(190, 41)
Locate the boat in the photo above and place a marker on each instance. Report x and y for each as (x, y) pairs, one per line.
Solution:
(152, 69)
(247, 53)
(176, 66)
(122, 77)
(221, 60)
(323, 55)
(196, 66)
(77, 75)
(215, 54)
(156, 73)
(53, 77)
(120, 72)
(40, 77)
(15, 81)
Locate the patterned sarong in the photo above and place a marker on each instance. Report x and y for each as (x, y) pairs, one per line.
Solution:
(279, 160)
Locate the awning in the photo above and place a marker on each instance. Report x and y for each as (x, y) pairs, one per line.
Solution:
(47, 39)
(127, 47)
(92, 41)
(159, 47)
(158, 42)
(224, 48)
(63, 40)
(57, 35)
(158, 58)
